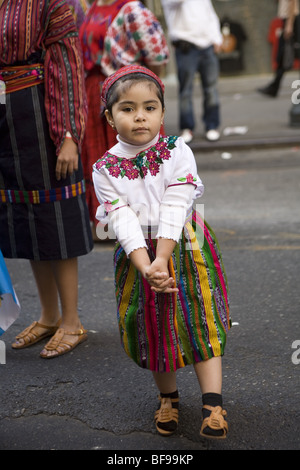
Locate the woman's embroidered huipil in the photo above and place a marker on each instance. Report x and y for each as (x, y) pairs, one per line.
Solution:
(48, 37)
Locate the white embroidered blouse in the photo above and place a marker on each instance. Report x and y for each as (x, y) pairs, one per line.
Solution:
(138, 188)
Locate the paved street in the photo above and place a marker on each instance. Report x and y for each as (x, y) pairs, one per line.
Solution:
(96, 398)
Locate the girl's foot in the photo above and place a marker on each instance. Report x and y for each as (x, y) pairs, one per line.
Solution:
(214, 425)
(166, 417)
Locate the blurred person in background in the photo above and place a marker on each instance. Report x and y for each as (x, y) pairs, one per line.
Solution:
(115, 33)
(288, 10)
(195, 33)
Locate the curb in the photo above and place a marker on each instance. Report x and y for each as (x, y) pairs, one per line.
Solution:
(259, 142)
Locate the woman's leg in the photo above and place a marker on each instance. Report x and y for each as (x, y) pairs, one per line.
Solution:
(47, 289)
(65, 273)
(50, 314)
(57, 280)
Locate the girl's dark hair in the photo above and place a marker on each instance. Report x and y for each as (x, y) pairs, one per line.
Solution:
(113, 93)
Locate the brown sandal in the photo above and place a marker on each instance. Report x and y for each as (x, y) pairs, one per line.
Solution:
(167, 416)
(30, 337)
(57, 341)
(216, 422)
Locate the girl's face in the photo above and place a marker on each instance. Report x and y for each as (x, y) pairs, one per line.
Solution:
(137, 115)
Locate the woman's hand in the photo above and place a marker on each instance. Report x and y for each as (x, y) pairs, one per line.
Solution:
(67, 160)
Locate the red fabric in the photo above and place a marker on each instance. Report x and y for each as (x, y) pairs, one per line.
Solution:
(275, 31)
(99, 137)
(93, 31)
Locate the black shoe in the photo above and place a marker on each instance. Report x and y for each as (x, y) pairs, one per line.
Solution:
(268, 90)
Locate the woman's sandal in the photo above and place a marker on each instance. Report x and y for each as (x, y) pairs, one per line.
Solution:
(166, 418)
(61, 346)
(214, 426)
(30, 336)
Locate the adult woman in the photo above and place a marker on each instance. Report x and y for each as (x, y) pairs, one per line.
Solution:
(43, 213)
(115, 33)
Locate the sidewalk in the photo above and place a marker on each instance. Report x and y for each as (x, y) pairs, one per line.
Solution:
(266, 120)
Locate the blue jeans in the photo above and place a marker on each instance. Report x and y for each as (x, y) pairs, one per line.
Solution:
(206, 63)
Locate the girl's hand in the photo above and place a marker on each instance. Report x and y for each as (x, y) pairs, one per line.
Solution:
(67, 160)
(161, 282)
(165, 288)
(157, 274)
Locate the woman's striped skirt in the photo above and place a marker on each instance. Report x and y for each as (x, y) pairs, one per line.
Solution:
(163, 332)
(40, 218)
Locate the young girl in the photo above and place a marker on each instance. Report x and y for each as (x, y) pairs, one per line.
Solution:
(171, 288)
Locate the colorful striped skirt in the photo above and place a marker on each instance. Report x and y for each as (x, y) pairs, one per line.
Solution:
(163, 332)
(40, 218)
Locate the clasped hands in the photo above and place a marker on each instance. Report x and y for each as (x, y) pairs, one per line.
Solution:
(157, 274)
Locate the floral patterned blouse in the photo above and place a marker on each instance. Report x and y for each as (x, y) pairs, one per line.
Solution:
(151, 187)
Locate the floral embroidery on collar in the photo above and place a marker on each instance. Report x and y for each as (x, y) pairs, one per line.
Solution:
(147, 161)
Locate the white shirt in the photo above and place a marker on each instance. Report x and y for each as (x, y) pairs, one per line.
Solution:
(155, 188)
(284, 7)
(194, 21)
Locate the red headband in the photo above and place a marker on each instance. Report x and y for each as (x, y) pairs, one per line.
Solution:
(109, 81)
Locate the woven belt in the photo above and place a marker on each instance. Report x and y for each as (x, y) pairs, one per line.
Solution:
(44, 195)
(19, 77)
